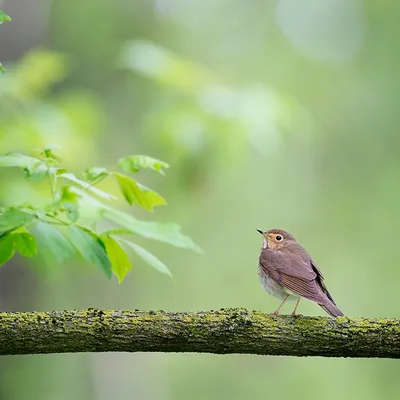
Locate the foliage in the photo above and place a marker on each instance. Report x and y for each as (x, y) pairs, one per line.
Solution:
(200, 117)
(3, 17)
(65, 227)
(34, 113)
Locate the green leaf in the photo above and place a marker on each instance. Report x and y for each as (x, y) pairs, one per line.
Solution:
(14, 218)
(129, 188)
(34, 169)
(69, 201)
(136, 162)
(58, 171)
(136, 193)
(72, 211)
(152, 198)
(68, 195)
(49, 156)
(71, 177)
(91, 247)
(54, 241)
(37, 173)
(4, 17)
(167, 233)
(95, 174)
(6, 249)
(120, 262)
(25, 244)
(48, 150)
(149, 258)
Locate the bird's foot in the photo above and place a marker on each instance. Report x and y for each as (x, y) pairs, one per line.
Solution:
(293, 314)
(276, 312)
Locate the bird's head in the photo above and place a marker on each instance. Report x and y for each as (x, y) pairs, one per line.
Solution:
(276, 239)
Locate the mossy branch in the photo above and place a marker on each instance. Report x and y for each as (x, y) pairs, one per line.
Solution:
(225, 331)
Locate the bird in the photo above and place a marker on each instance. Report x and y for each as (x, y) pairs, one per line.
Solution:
(287, 271)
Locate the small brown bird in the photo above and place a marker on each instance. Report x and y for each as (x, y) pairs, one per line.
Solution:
(287, 271)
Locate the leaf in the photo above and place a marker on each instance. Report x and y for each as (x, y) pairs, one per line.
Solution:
(54, 241)
(71, 177)
(91, 247)
(25, 244)
(68, 195)
(95, 174)
(136, 193)
(6, 249)
(58, 171)
(167, 233)
(136, 162)
(69, 201)
(14, 218)
(34, 169)
(149, 258)
(120, 262)
(17, 160)
(47, 148)
(151, 196)
(4, 17)
(37, 173)
(49, 156)
(164, 232)
(129, 188)
(72, 211)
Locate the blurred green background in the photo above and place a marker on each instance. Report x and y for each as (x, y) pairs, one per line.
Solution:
(272, 114)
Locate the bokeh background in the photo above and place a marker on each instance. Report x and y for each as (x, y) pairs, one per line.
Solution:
(272, 114)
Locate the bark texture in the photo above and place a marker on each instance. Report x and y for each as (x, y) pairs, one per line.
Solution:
(225, 331)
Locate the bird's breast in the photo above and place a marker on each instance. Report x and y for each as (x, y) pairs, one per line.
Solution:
(273, 287)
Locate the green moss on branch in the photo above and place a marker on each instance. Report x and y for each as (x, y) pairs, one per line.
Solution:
(221, 332)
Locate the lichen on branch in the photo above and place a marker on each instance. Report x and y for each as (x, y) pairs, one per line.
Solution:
(225, 331)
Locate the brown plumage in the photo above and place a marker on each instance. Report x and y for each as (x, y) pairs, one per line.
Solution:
(287, 271)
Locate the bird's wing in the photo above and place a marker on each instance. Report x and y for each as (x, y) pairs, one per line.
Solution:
(295, 271)
(309, 289)
(291, 263)
(320, 280)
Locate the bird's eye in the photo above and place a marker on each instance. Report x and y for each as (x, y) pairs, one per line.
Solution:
(278, 238)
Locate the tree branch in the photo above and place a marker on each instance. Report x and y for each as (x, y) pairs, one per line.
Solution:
(221, 332)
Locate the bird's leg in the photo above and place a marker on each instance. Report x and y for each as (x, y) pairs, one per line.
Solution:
(295, 308)
(276, 312)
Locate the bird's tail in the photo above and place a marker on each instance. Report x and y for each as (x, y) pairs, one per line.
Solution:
(331, 309)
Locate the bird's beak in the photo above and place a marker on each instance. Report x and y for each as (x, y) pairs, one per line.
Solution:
(261, 231)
